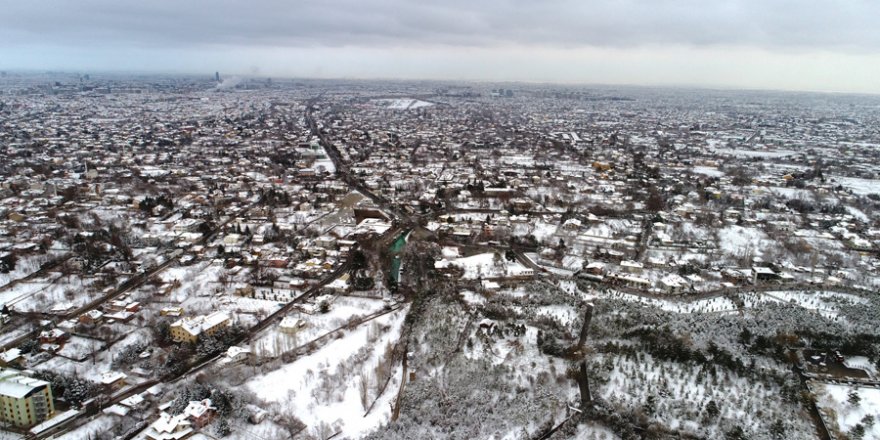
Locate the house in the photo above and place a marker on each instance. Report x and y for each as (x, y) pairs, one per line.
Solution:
(632, 266)
(186, 225)
(92, 317)
(291, 325)
(630, 281)
(232, 242)
(340, 284)
(11, 357)
(168, 427)
(571, 224)
(674, 283)
(136, 402)
(200, 413)
(171, 311)
(54, 336)
(761, 273)
(326, 242)
(113, 380)
(123, 306)
(595, 268)
(490, 286)
(189, 330)
(238, 355)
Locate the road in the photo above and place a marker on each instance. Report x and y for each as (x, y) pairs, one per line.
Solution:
(344, 173)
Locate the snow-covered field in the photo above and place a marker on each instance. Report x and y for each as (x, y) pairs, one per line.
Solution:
(326, 163)
(93, 428)
(44, 293)
(861, 363)
(833, 400)
(343, 310)
(768, 154)
(860, 186)
(487, 265)
(78, 348)
(740, 241)
(24, 267)
(401, 103)
(709, 171)
(324, 388)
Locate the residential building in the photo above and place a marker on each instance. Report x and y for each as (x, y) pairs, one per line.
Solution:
(24, 401)
(190, 329)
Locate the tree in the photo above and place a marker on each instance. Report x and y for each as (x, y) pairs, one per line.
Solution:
(655, 201)
(162, 331)
(7, 262)
(712, 410)
(223, 428)
(650, 405)
(853, 397)
(324, 306)
(358, 260)
(735, 433)
(857, 432)
(777, 430)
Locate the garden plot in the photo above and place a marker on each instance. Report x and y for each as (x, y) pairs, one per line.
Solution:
(489, 265)
(332, 388)
(78, 348)
(94, 428)
(591, 431)
(859, 186)
(196, 280)
(24, 267)
(473, 298)
(200, 292)
(53, 294)
(90, 369)
(265, 430)
(738, 241)
(612, 228)
(10, 334)
(343, 311)
(708, 171)
(541, 229)
(839, 409)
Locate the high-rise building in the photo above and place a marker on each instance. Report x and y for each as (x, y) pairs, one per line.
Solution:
(217, 76)
(24, 401)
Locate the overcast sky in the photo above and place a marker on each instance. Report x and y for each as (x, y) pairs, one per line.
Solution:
(795, 45)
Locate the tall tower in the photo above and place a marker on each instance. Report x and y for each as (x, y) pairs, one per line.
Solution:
(217, 76)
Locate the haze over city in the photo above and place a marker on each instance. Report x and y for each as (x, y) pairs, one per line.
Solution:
(786, 45)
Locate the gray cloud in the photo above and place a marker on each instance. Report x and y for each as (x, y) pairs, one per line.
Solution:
(780, 24)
